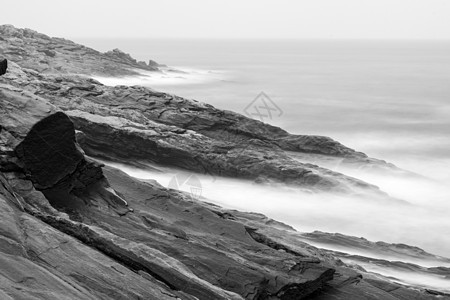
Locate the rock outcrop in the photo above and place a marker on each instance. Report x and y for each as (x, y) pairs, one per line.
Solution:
(45, 54)
(41, 262)
(3, 66)
(400, 252)
(54, 163)
(49, 152)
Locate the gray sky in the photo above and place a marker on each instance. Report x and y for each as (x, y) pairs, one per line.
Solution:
(385, 19)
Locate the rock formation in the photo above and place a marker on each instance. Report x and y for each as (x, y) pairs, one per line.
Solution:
(3, 66)
(72, 228)
(49, 55)
(186, 134)
(49, 161)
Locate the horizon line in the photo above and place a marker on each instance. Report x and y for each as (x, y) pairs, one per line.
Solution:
(260, 38)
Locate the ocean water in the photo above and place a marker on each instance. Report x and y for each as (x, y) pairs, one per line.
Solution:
(389, 99)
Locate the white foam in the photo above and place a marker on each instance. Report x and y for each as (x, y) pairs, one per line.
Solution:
(406, 277)
(167, 76)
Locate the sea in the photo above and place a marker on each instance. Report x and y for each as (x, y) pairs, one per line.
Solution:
(387, 98)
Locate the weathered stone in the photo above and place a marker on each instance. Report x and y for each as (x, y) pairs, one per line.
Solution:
(3, 66)
(55, 55)
(49, 151)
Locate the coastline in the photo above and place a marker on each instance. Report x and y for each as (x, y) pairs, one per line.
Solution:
(96, 209)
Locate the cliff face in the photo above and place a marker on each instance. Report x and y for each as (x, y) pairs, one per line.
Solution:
(74, 229)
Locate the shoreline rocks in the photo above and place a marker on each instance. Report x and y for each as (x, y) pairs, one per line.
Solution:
(73, 228)
(3, 66)
(49, 55)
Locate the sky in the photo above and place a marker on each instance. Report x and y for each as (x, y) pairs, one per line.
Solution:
(259, 19)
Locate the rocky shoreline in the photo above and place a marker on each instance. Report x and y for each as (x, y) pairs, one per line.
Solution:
(72, 228)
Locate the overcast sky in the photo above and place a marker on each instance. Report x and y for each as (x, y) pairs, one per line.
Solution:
(406, 19)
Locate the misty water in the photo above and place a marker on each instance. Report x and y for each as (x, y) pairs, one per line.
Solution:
(388, 99)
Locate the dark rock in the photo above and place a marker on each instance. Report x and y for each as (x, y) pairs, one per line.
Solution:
(49, 151)
(261, 238)
(50, 53)
(3, 66)
(9, 164)
(55, 164)
(437, 293)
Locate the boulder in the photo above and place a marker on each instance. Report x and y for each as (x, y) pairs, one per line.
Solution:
(55, 164)
(3, 66)
(49, 151)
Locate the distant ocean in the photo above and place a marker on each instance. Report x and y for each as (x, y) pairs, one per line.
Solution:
(389, 99)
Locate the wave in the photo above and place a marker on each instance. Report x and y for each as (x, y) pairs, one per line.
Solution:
(167, 76)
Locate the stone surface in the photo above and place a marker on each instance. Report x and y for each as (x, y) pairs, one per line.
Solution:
(400, 252)
(3, 66)
(49, 152)
(40, 262)
(46, 54)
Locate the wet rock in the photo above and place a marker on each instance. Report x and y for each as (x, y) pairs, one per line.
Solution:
(391, 251)
(3, 66)
(53, 161)
(159, 144)
(49, 151)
